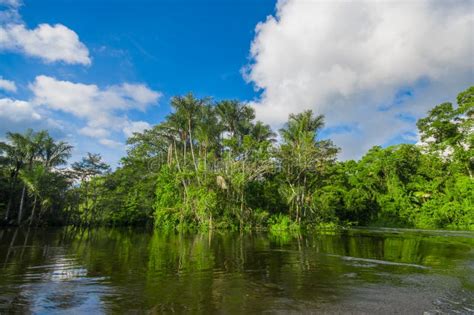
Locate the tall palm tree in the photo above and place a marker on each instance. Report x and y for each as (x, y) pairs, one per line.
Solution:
(34, 179)
(261, 132)
(304, 123)
(54, 154)
(236, 119)
(33, 146)
(300, 155)
(188, 111)
(18, 150)
(15, 157)
(207, 133)
(22, 151)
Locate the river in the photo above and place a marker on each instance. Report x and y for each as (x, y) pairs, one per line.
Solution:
(357, 271)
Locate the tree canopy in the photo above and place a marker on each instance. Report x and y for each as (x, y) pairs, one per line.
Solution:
(210, 165)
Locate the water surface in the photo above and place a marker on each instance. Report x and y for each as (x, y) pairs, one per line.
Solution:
(139, 271)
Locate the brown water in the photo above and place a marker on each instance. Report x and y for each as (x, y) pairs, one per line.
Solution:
(143, 271)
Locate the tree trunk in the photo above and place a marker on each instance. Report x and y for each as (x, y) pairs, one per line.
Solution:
(10, 197)
(183, 180)
(20, 211)
(469, 170)
(33, 211)
(170, 154)
(9, 205)
(41, 213)
(185, 140)
(192, 148)
(242, 194)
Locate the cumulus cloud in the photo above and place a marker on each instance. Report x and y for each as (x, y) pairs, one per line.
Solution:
(94, 132)
(7, 85)
(51, 43)
(16, 110)
(110, 143)
(103, 110)
(135, 126)
(366, 65)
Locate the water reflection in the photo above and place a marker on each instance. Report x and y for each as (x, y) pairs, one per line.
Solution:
(118, 270)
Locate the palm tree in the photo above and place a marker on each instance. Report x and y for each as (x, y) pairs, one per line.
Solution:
(261, 132)
(302, 125)
(54, 154)
(236, 119)
(33, 145)
(207, 133)
(188, 111)
(22, 152)
(15, 157)
(34, 179)
(301, 155)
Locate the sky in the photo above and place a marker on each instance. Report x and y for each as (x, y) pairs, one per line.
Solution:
(92, 72)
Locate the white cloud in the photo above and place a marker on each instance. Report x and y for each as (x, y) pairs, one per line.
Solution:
(94, 132)
(347, 59)
(111, 143)
(138, 93)
(103, 110)
(16, 110)
(51, 43)
(135, 126)
(7, 85)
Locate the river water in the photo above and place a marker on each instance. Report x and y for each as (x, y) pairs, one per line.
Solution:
(358, 271)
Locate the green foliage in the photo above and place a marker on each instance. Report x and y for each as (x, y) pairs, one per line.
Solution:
(282, 223)
(303, 162)
(210, 165)
(35, 186)
(168, 205)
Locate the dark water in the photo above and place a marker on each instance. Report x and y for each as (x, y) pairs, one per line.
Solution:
(140, 271)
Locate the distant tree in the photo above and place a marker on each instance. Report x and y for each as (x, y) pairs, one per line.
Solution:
(85, 170)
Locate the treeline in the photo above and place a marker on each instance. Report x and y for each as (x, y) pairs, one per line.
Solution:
(211, 165)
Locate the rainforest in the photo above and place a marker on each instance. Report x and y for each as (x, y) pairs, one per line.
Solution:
(210, 165)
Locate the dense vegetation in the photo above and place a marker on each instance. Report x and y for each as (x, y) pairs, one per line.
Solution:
(210, 165)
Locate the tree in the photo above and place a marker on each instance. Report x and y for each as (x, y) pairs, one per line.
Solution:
(54, 154)
(449, 131)
(14, 157)
(210, 164)
(24, 154)
(303, 160)
(85, 170)
(35, 179)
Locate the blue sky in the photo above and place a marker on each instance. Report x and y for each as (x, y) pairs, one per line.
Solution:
(94, 71)
(173, 46)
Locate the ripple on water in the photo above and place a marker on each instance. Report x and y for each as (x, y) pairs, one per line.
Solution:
(455, 302)
(110, 270)
(60, 285)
